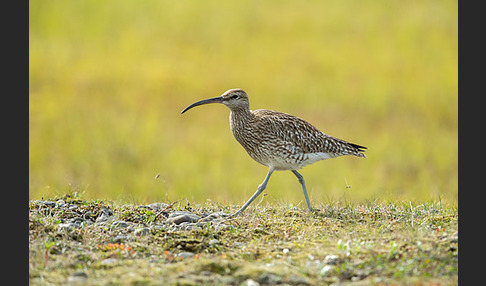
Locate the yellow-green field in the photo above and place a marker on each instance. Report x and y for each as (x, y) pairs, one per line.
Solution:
(108, 79)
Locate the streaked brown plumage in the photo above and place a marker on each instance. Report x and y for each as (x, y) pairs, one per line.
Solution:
(278, 140)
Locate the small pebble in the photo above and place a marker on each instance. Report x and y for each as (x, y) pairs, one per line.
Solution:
(178, 213)
(215, 216)
(156, 206)
(239, 244)
(77, 220)
(269, 279)
(185, 226)
(297, 280)
(290, 260)
(72, 207)
(326, 270)
(213, 241)
(331, 259)
(313, 266)
(142, 231)
(68, 226)
(105, 217)
(45, 203)
(78, 278)
(159, 227)
(109, 261)
(107, 211)
(223, 227)
(121, 238)
(119, 224)
(185, 255)
(251, 282)
(183, 218)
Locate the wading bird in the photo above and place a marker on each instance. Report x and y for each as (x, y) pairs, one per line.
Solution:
(278, 140)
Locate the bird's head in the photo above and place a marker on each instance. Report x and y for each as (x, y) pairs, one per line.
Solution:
(234, 99)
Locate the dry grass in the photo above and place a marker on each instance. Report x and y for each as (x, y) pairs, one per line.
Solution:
(372, 243)
(107, 81)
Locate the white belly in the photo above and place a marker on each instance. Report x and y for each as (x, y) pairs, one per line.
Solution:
(295, 162)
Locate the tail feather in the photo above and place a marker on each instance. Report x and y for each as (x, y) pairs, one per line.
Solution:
(357, 149)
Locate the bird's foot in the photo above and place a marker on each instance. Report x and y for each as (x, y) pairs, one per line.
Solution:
(314, 210)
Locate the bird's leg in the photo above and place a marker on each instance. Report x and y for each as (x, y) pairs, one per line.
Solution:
(302, 182)
(260, 189)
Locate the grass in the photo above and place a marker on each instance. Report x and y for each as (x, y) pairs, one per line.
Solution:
(376, 242)
(107, 81)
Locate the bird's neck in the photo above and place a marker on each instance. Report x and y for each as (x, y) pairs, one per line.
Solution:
(240, 119)
(241, 114)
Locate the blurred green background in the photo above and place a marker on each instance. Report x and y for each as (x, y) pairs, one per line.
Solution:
(108, 79)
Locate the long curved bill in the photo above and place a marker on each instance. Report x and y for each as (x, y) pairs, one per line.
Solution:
(218, 99)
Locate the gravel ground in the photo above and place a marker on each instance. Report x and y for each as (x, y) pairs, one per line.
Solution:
(74, 241)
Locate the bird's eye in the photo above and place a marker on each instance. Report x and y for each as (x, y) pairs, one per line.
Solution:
(234, 96)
